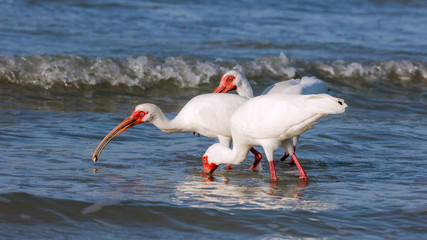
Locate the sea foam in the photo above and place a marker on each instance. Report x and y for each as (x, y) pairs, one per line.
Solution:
(147, 71)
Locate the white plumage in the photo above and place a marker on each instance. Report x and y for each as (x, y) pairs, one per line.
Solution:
(236, 80)
(207, 114)
(305, 85)
(270, 121)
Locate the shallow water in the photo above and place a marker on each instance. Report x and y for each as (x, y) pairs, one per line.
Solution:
(70, 71)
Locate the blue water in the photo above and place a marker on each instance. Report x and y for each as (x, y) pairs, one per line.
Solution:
(70, 71)
(367, 30)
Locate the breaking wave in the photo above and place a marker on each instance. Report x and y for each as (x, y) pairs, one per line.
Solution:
(146, 71)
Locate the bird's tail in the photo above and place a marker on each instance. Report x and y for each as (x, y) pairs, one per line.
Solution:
(326, 104)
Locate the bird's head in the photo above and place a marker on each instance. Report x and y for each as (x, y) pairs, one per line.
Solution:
(208, 167)
(215, 155)
(146, 112)
(230, 81)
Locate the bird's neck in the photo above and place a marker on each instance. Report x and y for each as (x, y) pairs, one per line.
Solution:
(233, 156)
(245, 90)
(166, 125)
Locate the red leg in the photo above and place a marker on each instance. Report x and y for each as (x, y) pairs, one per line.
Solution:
(272, 171)
(286, 156)
(301, 171)
(228, 166)
(258, 158)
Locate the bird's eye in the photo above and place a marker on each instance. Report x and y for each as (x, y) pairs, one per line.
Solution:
(230, 79)
(142, 114)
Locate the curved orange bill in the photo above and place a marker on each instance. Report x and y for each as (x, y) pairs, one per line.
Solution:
(220, 88)
(225, 87)
(123, 126)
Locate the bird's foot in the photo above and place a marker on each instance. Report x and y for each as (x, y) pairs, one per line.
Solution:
(256, 168)
(273, 184)
(303, 183)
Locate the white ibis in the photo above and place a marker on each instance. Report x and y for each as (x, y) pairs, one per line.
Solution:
(207, 114)
(270, 121)
(236, 80)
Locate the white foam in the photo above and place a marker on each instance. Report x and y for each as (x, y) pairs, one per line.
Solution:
(147, 71)
(95, 207)
(277, 66)
(403, 71)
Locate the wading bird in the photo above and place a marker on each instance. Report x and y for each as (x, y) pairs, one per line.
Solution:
(236, 80)
(207, 114)
(271, 121)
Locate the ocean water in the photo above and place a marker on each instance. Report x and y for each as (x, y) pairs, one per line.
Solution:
(70, 71)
